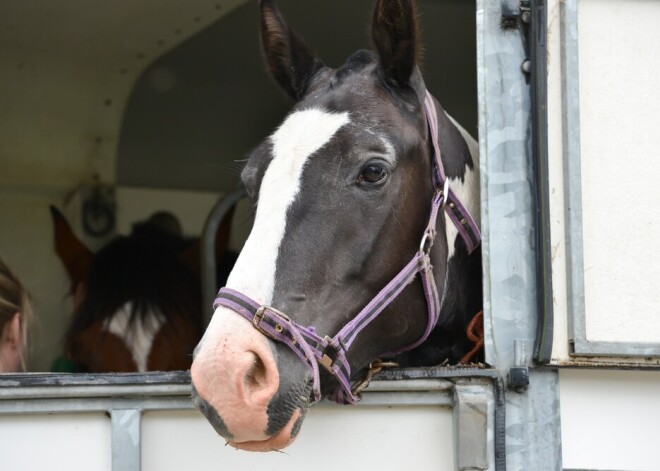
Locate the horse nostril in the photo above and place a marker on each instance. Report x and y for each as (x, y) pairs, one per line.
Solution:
(255, 377)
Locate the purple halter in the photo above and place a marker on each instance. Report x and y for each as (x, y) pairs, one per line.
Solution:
(330, 353)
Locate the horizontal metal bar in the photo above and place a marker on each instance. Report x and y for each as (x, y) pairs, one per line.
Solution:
(83, 404)
(410, 385)
(583, 347)
(31, 393)
(403, 399)
(91, 391)
(93, 379)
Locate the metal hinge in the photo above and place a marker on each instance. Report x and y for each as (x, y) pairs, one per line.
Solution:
(518, 377)
(512, 10)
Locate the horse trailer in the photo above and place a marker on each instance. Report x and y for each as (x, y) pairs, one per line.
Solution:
(139, 106)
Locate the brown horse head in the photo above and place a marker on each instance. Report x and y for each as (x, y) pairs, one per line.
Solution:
(137, 301)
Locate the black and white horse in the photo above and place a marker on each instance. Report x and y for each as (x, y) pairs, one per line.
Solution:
(344, 188)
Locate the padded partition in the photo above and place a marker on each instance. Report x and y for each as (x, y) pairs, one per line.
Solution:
(603, 104)
(331, 438)
(609, 420)
(70, 442)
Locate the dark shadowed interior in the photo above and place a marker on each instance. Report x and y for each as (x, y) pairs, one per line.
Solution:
(197, 111)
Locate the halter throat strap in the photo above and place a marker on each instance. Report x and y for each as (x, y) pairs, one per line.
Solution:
(330, 352)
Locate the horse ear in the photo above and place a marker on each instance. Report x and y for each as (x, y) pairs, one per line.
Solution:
(394, 31)
(75, 255)
(290, 61)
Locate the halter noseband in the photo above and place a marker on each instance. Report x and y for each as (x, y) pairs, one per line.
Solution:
(330, 353)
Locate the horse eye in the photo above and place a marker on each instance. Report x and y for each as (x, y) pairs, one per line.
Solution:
(373, 173)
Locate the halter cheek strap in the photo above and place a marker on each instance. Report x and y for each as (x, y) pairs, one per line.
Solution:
(461, 217)
(330, 352)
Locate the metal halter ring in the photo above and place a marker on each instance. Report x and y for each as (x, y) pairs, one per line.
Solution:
(427, 241)
(445, 193)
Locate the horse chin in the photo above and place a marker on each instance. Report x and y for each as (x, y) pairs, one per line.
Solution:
(253, 393)
(277, 442)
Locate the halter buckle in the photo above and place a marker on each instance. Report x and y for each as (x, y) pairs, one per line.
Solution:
(261, 314)
(326, 361)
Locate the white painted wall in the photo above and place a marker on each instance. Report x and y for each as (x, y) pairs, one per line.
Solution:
(190, 207)
(609, 419)
(55, 442)
(348, 438)
(619, 114)
(332, 438)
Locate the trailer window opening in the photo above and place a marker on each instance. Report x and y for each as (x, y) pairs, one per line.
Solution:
(185, 125)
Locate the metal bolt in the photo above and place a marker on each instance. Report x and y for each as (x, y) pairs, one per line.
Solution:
(526, 66)
(526, 17)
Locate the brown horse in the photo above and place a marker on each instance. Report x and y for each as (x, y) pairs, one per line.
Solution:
(137, 301)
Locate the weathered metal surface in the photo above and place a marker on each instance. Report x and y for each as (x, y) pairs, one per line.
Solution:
(508, 215)
(126, 439)
(471, 427)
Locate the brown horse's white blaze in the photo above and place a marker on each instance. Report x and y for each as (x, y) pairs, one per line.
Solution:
(235, 369)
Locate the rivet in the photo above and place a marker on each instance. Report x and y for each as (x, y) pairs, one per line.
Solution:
(452, 205)
(463, 221)
(526, 17)
(278, 328)
(293, 341)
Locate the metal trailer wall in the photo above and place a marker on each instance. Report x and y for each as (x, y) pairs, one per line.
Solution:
(429, 419)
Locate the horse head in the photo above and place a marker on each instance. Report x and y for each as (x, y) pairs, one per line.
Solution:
(344, 190)
(137, 299)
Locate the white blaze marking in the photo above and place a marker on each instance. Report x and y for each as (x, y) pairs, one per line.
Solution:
(301, 135)
(467, 190)
(137, 337)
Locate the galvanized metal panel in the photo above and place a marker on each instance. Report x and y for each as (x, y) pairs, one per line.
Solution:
(126, 439)
(508, 215)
